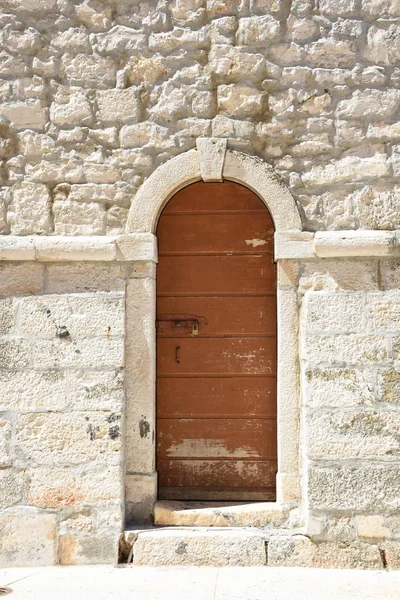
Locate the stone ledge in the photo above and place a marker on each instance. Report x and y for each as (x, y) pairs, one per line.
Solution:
(336, 244)
(142, 247)
(125, 248)
(330, 244)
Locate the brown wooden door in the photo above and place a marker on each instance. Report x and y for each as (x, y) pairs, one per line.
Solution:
(216, 346)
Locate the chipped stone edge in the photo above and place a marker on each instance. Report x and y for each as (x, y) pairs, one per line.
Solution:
(124, 248)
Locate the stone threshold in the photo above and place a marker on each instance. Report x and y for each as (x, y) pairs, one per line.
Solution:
(143, 246)
(218, 514)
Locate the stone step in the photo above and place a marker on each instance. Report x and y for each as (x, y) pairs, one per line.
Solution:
(197, 546)
(219, 514)
(246, 546)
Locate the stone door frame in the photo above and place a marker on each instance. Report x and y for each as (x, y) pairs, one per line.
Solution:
(211, 161)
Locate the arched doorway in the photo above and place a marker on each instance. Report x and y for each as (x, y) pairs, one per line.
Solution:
(216, 346)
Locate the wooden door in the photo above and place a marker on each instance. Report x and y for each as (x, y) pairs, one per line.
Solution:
(216, 346)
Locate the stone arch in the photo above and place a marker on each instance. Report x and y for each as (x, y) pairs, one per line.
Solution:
(212, 162)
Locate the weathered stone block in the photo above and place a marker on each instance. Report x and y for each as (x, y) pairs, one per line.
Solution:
(239, 100)
(384, 311)
(73, 316)
(5, 439)
(35, 144)
(73, 40)
(119, 40)
(96, 390)
(391, 553)
(300, 551)
(68, 438)
(371, 527)
(140, 496)
(15, 353)
(336, 387)
(79, 277)
(77, 218)
(361, 433)
(54, 487)
(32, 390)
(6, 315)
(25, 115)
(389, 385)
(356, 487)
(118, 105)
(89, 71)
(28, 538)
(94, 14)
(383, 45)
(330, 53)
(365, 103)
(11, 487)
(339, 274)
(234, 547)
(349, 168)
(377, 210)
(228, 63)
(352, 349)
(95, 353)
(70, 108)
(149, 135)
(349, 311)
(88, 549)
(381, 8)
(257, 31)
(29, 212)
(340, 8)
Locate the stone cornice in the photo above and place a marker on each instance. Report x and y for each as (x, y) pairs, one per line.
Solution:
(135, 247)
(336, 244)
(143, 246)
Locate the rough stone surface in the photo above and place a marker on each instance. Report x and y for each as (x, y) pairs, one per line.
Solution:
(28, 538)
(299, 86)
(94, 96)
(202, 547)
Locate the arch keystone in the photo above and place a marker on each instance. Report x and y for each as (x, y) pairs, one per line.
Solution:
(211, 153)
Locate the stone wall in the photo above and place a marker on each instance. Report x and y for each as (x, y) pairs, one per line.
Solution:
(61, 427)
(351, 400)
(95, 94)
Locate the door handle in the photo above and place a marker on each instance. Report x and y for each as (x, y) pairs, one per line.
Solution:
(177, 359)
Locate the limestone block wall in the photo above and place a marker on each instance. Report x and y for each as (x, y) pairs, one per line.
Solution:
(351, 399)
(61, 412)
(95, 94)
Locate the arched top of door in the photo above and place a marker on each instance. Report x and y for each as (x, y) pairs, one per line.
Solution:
(212, 161)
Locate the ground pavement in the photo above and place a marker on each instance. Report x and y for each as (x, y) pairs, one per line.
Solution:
(198, 583)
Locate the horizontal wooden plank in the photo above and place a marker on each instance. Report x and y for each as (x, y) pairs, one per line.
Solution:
(247, 356)
(241, 233)
(215, 274)
(216, 396)
(248, 315)
(218, 494)
(216, 438)
(217, 474)
(202, 196)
